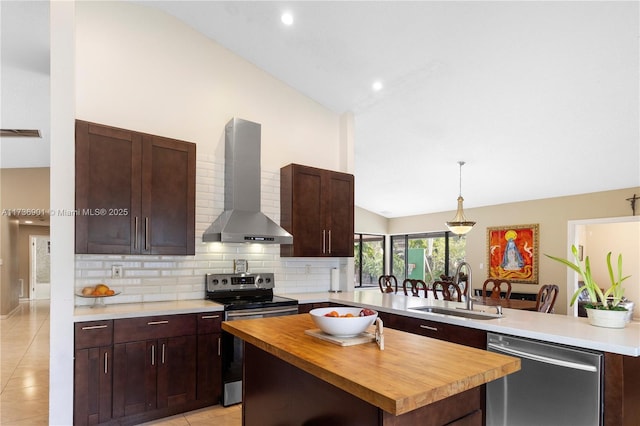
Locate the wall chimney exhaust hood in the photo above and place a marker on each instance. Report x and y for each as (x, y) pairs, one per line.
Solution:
(242, 221)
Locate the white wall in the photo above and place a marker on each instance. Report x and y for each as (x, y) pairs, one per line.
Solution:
(137, 68)
(62, 192)
(617, 238)
(141, 69)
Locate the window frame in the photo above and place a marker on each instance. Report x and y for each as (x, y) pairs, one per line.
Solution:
(358, 240)
(405, 238)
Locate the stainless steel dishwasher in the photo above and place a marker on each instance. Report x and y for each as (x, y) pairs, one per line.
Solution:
(556, 386)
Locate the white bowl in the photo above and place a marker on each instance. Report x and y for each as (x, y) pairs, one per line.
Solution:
(342, 326)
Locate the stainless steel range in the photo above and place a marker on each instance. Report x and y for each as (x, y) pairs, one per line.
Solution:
(244, 296)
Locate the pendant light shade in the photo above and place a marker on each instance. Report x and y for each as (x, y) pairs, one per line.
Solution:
(460, 225)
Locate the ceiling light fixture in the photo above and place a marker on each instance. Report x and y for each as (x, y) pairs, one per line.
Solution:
(287, 19)
(377, 85)
(460, 225)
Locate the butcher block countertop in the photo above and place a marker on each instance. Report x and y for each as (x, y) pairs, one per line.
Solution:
(411, 372)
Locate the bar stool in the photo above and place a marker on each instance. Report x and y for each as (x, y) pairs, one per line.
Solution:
(415, 287)
(496, 288)
(388, 284)
(546, 298)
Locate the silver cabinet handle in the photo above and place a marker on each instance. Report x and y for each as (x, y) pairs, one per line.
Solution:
(135, 232)
(219, 344)
(153, 354)
(323, 242)
(329, 241)
(210, 316)
(428, 327)
(163, 347)
(94, 327)
(146, 233)
(106, 362)
(157, 322)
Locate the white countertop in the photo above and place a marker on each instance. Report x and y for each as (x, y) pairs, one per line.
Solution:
(562, 329)
(147, 309)
(534, 325)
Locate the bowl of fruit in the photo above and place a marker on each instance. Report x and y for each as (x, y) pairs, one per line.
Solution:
(343, 322)
(97, 292)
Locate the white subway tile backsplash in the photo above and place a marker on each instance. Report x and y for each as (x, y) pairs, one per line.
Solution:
(164, 278)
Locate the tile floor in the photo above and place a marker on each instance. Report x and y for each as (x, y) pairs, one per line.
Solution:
(24, 375)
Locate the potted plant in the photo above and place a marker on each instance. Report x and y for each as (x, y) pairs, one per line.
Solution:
(605, 308)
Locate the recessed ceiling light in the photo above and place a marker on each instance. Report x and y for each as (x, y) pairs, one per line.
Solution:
(377, 85)
(28, 221)
(287, 19)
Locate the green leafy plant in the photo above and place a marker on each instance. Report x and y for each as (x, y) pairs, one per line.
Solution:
(609, 299)
(615, 293)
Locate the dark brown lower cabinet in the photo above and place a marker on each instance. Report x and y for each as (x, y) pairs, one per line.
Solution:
(93, 372)
(441, 331)
(154, 374)
(277, 393)
(92, 385)
(209, 380)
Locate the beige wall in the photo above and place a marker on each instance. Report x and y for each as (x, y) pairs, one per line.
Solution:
(20, 189)
(367, 222)
(551, 214)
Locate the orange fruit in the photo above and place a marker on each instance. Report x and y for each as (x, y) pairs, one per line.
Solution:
(110, 292)
(102, 289)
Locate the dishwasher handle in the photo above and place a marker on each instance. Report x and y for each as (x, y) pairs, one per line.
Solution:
(542, 358)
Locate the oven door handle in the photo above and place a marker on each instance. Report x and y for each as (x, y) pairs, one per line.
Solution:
(254, 312)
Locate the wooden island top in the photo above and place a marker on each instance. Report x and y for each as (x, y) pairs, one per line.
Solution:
(411, 372)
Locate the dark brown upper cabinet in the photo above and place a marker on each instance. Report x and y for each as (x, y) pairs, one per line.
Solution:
(135, 192)
(316, 207)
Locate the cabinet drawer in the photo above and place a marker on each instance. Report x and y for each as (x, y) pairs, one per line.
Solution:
(156, 327)
(209, 322)
(92, 334)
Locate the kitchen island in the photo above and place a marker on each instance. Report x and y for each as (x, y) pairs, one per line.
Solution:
(293, 378)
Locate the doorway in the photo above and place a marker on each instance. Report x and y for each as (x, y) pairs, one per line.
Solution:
(39, 266)
(599, 236)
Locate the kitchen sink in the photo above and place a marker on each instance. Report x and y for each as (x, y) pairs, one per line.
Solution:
(457, 312)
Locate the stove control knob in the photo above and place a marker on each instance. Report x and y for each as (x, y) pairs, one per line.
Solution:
(268, 280)
(260, 280)
(224, 281)
(215, 281)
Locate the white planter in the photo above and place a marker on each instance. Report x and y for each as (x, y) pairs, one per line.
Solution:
(606, 318)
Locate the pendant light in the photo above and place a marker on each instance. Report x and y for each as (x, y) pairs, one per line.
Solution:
(460, 225)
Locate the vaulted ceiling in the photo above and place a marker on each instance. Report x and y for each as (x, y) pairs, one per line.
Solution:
(541, 99)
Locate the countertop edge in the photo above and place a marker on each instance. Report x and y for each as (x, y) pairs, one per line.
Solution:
(398, 406)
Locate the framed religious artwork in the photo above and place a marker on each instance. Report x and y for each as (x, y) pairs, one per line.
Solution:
(512, 253)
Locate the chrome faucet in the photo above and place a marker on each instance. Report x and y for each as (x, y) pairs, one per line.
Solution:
(469, 299)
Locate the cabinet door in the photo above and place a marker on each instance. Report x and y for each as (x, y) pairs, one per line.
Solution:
(168, 196)
(134, 380)
(92, 385)
(437, 330)
(107, 189)
(209, 367)
(339, 215)
(316, 207)
(209, 388)
(176, 360)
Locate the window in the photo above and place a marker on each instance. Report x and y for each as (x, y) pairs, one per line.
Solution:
(368, 259)
(426, 256)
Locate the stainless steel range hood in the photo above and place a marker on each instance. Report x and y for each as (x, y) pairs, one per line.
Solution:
(242, 221)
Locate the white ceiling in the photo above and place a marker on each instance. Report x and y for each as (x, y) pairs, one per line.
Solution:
(541, 99)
